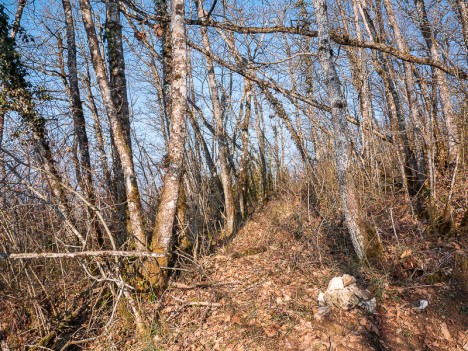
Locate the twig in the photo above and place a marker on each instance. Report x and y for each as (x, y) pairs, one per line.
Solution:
(199, 285)
(393, 226)
(197, 303)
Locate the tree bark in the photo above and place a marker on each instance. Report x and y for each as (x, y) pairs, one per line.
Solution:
(230, 226)
(349, 200)
(79, 122)
(461, 8)
(163, 230)
(119, 129)
(243, 163)
(386, 72)
(444, 91)
(118, 85)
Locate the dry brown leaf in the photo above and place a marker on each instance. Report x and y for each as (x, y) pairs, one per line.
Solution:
(270, 331)
(405, 253)
(445, 332)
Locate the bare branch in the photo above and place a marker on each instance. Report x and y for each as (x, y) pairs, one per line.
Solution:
(26, 255)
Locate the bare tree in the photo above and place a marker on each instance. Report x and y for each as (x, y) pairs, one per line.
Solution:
(349, 200)
(119, 130)
(162, 235)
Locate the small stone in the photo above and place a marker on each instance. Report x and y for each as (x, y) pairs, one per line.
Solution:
(321, 299)
(342, 298)
(348, 279)
(370, 305)
(335, 284)
(422, 304)
(322, 312)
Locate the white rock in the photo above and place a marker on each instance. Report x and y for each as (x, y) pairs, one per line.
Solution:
(348, 279)
(335, 284)
(321, 298)
(341, 298)
(422, 305)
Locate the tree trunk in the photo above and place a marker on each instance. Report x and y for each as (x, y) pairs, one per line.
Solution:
(119, 129)
(98, 130)
(163, 230)
(385, 71)
(461, 8)
(118, 85)
(350, 204)
(243, 168)
(444, 91)
(229, 203)
(79, 122)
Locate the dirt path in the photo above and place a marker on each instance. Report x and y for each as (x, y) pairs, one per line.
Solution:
(259, 293)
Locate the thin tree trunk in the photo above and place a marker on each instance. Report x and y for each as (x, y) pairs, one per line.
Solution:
(350, 204)
(243, 167)
(229, 203)
(461, 8)
(385, 71)
(97, 129)
(79, 122)
(14, 30)
(119, 129)
(261, 149)
(118, 85)
(444, 91)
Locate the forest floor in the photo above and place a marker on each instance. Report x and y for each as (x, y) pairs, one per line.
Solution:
(259, 292)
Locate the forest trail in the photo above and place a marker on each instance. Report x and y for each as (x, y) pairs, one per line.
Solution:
(259, 292)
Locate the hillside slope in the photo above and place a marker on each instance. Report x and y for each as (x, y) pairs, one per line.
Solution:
(259, 292)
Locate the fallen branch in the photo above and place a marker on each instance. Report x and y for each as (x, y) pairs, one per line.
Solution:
(203, 303)
(196, 303)
(22, 256)
(182, 286)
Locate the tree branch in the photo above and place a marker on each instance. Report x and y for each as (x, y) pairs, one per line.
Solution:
(339, 38)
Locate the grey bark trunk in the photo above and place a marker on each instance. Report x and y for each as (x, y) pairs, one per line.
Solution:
(385, 71)
(79, 122)
(346, 184)
(118, 85)
(243, 171)
(229, 203)
(444, 91)
(163, 230)
(420, 138)
(97, 129)
(119, 129)
(461, 8)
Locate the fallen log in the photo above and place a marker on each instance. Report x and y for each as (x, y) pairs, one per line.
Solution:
(25, 255)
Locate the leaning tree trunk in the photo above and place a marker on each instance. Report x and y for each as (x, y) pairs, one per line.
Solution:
(350, 204)
(97, 129)
(413, 104)
(444, 91)
(220, 133)
(163, 230)
(119, 132)
(79, 122)
(461, 7)
(385, 71)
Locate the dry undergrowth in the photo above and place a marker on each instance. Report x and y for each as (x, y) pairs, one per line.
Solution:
(259, 293)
